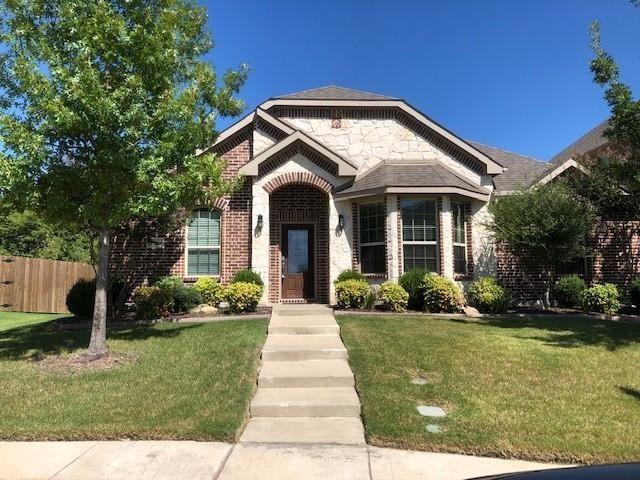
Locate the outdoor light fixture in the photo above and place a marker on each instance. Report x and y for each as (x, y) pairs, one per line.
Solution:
(341, 222)
(260, 223)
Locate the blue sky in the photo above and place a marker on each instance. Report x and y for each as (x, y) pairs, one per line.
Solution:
(508, 73)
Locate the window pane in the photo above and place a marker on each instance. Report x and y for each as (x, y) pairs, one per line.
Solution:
(372, 223)
(204, 228)
(459, 233)
(420, 256)
(203, 261)
(459, 259)
(373, 259)
(418, 220)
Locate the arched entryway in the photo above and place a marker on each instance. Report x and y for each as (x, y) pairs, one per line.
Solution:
(299, 243)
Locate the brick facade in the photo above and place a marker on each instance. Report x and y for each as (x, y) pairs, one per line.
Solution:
(304, 204)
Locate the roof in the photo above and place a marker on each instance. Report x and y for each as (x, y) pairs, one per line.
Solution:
(333, 92)
(591, 140)
(521, 171)
(416, 176)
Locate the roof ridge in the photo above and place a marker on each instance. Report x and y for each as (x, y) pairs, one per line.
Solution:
(528, 157)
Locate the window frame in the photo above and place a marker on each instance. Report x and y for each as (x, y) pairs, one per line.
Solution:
(463, 208)
(435, 243)
(372, 244)
(202, 247)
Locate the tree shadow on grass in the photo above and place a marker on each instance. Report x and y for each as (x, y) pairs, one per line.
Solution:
(567, 332)
(632, 392)
(35, 341)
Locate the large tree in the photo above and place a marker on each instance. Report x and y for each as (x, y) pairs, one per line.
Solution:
(104, 104)
(613, 185)
(543, 226)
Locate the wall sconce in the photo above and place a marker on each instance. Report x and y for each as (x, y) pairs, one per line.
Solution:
(260, 222)
(340, 222)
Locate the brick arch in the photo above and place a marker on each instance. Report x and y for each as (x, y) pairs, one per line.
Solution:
(297, 178)
(221, 204)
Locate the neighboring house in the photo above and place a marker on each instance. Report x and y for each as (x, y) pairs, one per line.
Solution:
(335, 179)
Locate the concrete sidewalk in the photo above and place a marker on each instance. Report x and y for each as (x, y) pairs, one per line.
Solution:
(168, 460)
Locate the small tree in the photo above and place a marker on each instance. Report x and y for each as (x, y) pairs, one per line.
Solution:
(103, 104)
(542, 226)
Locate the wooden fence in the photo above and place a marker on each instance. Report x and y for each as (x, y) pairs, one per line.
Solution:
(38, 285)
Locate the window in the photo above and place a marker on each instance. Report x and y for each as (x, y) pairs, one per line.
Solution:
(372, 238)
(419, 234)
(203, 243)
(459, 238)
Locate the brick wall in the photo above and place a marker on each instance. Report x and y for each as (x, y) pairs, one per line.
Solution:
(614, 257)
(299, 203)
(135, 258)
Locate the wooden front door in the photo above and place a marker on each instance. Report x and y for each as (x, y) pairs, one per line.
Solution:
(297, 261)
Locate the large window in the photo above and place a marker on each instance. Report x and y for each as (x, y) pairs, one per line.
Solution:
(203, 243)
(459, 238)
(372, 238)
(419, 234)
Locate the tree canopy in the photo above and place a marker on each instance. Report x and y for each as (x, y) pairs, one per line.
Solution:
(104, 104)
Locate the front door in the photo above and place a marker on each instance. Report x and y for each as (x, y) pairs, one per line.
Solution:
(297, 261)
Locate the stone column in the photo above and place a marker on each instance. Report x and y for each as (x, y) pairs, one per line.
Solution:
(260, 243)
(393, 260)
(339, 241)
(446, 237)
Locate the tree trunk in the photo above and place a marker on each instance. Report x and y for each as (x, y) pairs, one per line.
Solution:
(98, 344)
(547, 288)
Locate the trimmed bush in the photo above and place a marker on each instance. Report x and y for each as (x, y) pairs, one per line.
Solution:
(634, 292)
(567, 290)
(352, 293)
(153, 302)
(393, 297)
(185, 298)
(82, 296)
(246, 275)
(487, 296)
(169, 282)
(411, 281)
(210, 290)
(350, 275)
(441, 294)
(243, 296)
(603, 298)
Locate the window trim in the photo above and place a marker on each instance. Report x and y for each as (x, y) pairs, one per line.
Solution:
(464, 244)
(372, 244)
(435, 242)
(202, 247)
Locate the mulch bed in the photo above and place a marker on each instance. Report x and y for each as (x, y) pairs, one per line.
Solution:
(81, 361)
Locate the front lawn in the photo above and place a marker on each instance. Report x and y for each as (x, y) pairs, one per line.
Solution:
(189, 381)
(10, 320)
(537, 388)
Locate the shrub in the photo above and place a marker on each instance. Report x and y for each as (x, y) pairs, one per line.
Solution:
(487, 296)
(82, 296)
(246, 275)
(567, 290)
(352, 293)
(601, 298)
(243, 296)
(393, 297)
(169, 282)
(634, 292)
(210, 290)
(350, 275)
(153, 302)
(411, 281)
(185, 298)
(441, 294)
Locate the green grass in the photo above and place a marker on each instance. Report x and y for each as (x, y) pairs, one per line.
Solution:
(535, 388)
(10, 320)
(189, 381)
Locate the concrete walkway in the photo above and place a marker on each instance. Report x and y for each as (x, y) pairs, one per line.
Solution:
(142, 460)
(306, 389)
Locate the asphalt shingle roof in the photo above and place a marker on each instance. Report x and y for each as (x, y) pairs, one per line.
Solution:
(591, 140)
(410, 174)
(520, 172)
(333, 92)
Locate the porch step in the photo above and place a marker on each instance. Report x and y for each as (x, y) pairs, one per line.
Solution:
(305, 373)
(308, 324)
(301, 311)
(305, 402)
(303, 347)
(329, 430)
